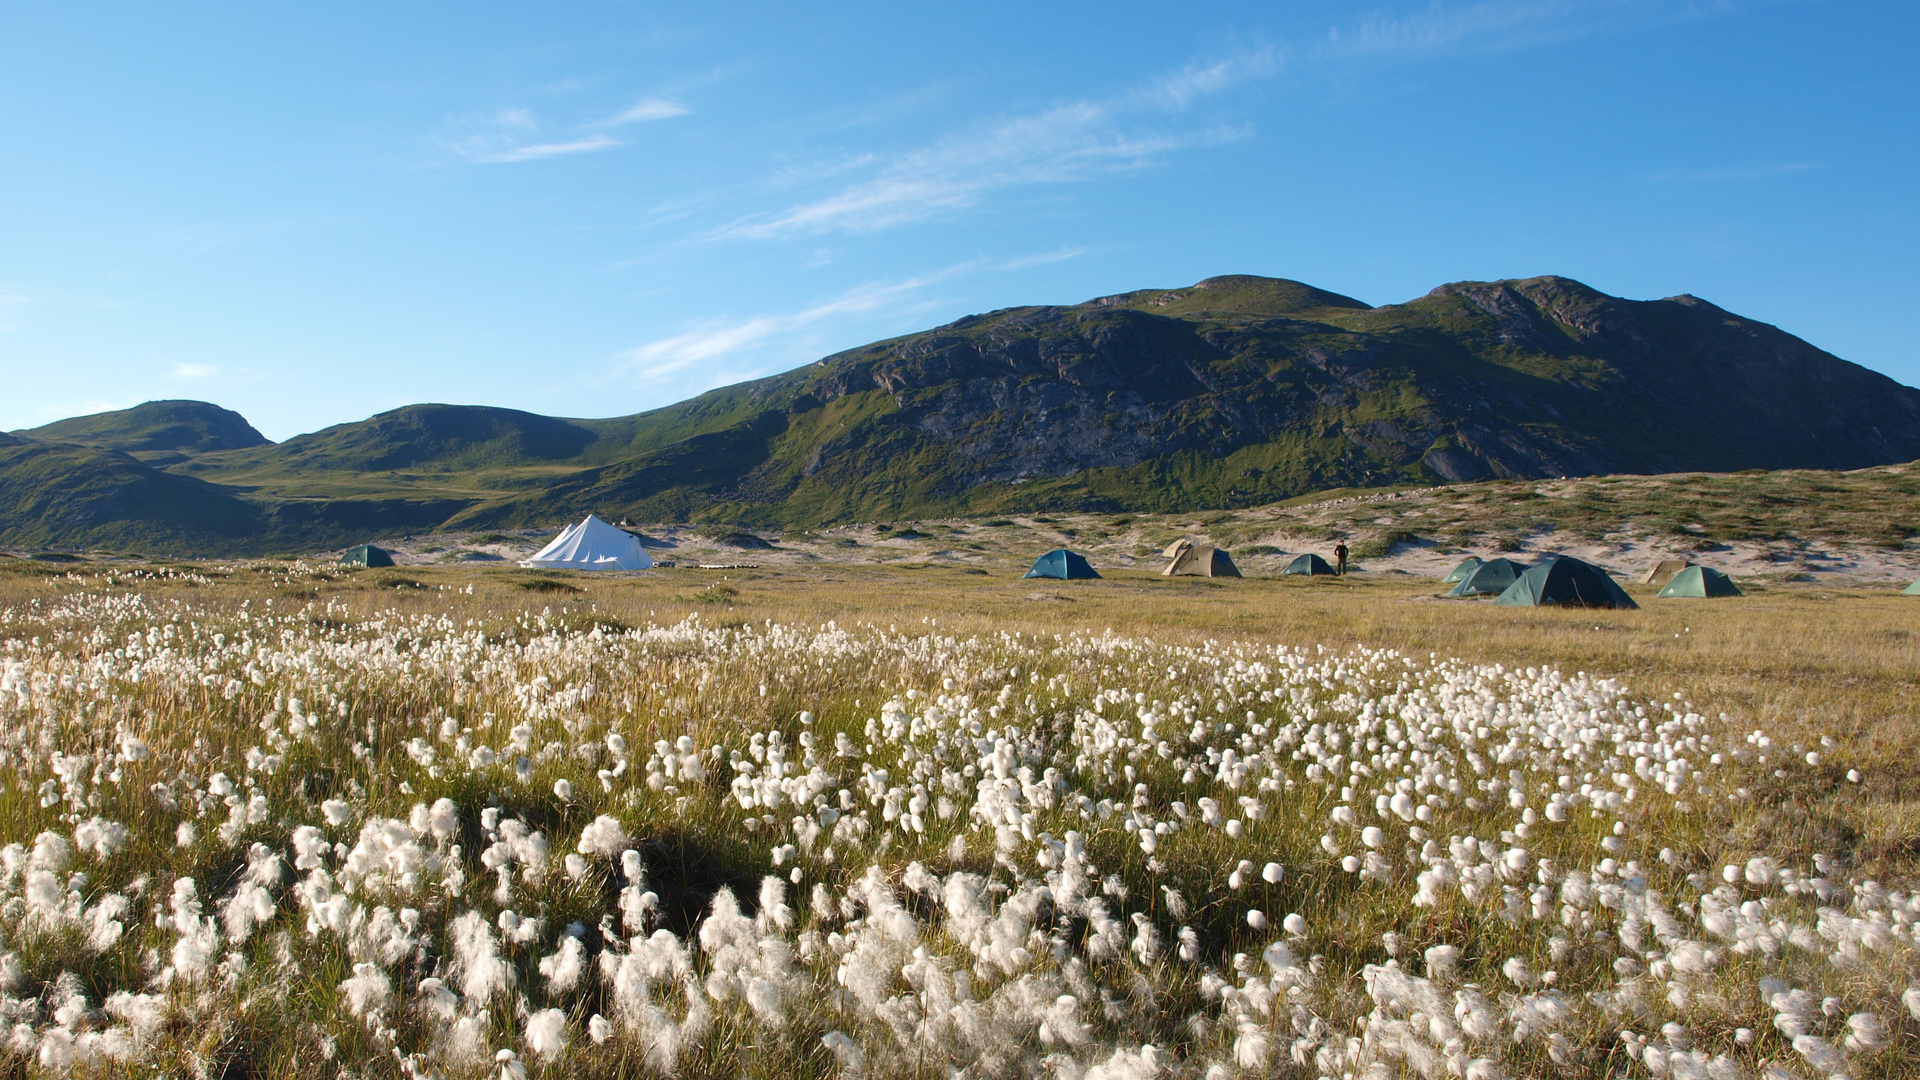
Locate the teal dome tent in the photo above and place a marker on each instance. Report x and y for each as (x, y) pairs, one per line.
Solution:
(1565, 581)
(1308, 565)
(366, 555)
(1464, 570)
(1700, 582)
(1490, 578)
(1061, 563)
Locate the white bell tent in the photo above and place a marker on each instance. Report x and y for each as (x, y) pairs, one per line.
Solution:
(592, 545)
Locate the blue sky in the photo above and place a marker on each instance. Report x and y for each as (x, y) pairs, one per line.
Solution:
(314, 213)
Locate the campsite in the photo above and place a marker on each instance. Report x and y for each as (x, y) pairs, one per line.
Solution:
(585, 679)
(960, 542)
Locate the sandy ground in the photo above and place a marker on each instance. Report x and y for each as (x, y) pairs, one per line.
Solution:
(1010, 548)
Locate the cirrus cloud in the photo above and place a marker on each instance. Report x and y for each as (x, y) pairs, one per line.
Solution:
(1071, 141)
(507, 136)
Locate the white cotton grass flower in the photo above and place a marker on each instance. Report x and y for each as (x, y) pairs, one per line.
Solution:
(51, 852)
(438, 1001)
(942, 836)
(546, 1033)
(844, 1049)
(1865, 1033)
(563, 789)
(604, 837)
(562, 970)
(366, 990)
(1518, 972)
(101, 838)
(185, 835)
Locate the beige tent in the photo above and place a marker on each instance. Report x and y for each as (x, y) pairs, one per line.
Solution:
(1174, 549)
(1200, 560)
(1663, 571)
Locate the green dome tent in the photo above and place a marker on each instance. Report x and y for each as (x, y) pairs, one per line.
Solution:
(1463, 571)
(1490, 578)
(1565, 581)
(1701, 582)
(366, 555)
(1308, 565)
(1061, 563)
(1911, 590)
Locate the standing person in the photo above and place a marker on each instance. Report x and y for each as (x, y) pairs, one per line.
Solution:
(1340, 558)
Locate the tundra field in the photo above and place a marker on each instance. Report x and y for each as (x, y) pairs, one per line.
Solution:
(273, 819)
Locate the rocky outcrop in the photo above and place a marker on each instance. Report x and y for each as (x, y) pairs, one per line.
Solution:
(1231, 392)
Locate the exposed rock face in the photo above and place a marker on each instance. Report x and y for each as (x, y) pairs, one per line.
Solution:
(1231, 392)
(1543, 377)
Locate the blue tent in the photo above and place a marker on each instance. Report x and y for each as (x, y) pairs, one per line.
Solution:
(1566, 581)
(1061, 563)
(1489, 578)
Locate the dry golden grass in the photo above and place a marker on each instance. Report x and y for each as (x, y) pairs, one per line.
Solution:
(1802, 663)
(1799, 661)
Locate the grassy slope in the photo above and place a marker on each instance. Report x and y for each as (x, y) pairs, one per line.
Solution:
(159, 430)
(1231, 394)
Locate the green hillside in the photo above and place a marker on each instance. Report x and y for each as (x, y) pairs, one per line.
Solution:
(1234, 392)
(156, 430)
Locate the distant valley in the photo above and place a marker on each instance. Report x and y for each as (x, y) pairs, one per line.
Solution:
(1232, 393)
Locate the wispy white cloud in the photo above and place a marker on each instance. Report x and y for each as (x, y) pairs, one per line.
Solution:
(1738, 172)
(507, 136)
(723, 344)
(727, 350)
(1500, 25)
(1066, 142)
(651, 109)
(194, 371)
(1028, 261)
(1180, 89)
(536, 151)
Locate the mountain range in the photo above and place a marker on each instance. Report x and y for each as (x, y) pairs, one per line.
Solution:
(1233, 392)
